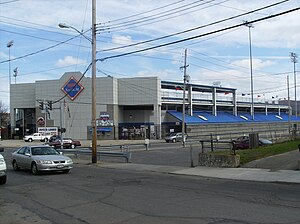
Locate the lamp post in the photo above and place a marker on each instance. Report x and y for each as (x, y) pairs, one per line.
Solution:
(294, 60)
(93, 42)
(9, 45)
(249, 25)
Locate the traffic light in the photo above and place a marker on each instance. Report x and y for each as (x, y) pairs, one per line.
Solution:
(62, 130)
(49, 105)
(41, 106)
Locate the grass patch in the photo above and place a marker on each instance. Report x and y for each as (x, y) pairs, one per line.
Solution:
(248, 155)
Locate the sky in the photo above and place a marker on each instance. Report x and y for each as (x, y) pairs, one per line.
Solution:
(212, 31)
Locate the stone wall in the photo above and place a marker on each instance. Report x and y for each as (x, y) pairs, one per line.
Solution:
(219, 160)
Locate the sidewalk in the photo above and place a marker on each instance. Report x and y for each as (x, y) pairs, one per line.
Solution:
(247, 174)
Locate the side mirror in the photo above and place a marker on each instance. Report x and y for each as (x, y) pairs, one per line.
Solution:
(27, 154)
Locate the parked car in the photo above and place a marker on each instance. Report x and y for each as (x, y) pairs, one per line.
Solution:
(40, 158)
(2, 168)
(244, 144)
(174, 137)
(241, 138)
(67, 143)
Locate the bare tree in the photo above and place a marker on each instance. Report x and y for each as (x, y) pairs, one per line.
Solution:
(4, 115)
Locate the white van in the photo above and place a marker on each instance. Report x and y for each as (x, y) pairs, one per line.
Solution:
(2, 168)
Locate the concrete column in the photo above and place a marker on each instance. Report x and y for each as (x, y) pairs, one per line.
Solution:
(266, 110)
(214, 101)
(116, 120)
(157, 120)
(190, 99)
(234, 102)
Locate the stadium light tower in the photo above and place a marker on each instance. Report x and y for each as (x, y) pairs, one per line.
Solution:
(249, 25)
(9, 45)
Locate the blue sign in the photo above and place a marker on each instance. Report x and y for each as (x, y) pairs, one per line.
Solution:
(72, 88)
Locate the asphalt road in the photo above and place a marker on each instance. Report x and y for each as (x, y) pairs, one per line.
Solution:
(92, 194)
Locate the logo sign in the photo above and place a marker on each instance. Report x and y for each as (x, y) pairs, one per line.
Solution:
(104, 120)
(72, 88)
(40, 121)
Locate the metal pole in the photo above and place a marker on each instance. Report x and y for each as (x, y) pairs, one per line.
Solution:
(295, 83)
(294, 60)
(45, 114)
(183, 101)
(289, 104)
(9, 67)
(249, 25)
(61, 125)
(94, 128)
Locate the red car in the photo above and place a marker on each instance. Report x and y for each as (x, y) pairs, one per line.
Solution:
(67, 143)
(244, 144)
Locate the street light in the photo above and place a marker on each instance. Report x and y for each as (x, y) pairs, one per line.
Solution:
(294, 60)
(249, 25)
(9, 45)
(93, 42)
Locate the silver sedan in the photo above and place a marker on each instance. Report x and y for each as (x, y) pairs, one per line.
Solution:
(40, 158)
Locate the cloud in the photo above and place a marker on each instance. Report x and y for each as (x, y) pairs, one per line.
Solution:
(69, 60)
(121, 40)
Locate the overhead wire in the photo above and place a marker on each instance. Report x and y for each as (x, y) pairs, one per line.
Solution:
(134, 23)
(195, 28)
(145, 12)
(42, 50)
(198, 36)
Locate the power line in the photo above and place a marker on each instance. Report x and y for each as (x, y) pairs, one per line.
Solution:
(151, 10)
(159, 15)
(198, 36)
(42, 50)
(195, 28)
(2, 3)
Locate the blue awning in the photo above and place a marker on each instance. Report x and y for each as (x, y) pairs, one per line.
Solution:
(103, 129)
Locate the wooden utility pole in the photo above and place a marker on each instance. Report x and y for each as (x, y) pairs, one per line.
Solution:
(185, 80)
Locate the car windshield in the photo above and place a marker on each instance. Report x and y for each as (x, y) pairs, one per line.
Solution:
(44, 151)
(172, 134)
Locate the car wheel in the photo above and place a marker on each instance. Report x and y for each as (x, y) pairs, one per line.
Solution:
(66, 171)
(173, 140)
(34, 169)
(15, 165)
(30, 140)
(2, 180)
(73, 146)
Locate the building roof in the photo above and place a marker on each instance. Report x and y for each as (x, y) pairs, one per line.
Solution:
(227, 117)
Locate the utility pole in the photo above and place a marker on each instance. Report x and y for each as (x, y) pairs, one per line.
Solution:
(94, 127)
(62, 107)
(289, 104)
(186, 79)
(294, 60)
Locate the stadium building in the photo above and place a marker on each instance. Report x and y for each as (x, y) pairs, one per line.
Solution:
(138, 108)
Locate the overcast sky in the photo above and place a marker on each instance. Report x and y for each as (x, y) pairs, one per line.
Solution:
(43, 51)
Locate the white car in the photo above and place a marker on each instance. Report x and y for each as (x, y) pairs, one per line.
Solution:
(2, 168)
(40, 158)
